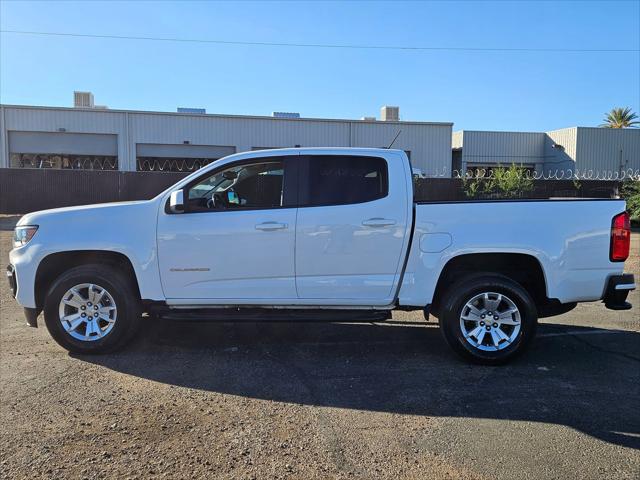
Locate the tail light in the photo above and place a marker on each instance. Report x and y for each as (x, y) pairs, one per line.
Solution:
(620, 237)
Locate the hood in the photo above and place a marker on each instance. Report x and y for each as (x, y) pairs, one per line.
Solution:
(82, 212)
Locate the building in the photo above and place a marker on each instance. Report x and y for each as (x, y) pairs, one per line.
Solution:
(591, 152)
(87, 137)
(96, 138)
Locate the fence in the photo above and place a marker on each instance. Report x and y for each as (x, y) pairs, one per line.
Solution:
(451, 189)
(28, 190)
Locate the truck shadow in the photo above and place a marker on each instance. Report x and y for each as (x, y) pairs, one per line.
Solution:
(583, 378)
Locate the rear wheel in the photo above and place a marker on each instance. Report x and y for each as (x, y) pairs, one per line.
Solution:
(91, 309)
(488, 318)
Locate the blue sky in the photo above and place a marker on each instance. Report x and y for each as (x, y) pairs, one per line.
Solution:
(476, 90)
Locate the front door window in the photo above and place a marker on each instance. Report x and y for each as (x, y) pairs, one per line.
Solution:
(248, 186)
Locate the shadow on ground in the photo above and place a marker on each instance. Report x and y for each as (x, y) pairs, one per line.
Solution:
(588, 380)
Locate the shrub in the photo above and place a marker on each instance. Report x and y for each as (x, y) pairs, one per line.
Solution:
(630, 191)
(473, 187)
(511, 182)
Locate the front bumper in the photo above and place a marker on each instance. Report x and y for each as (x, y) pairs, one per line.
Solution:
(31, 314)
(11, 277)
(615, 294)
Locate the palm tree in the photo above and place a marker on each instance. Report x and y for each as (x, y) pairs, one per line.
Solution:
(620, 118)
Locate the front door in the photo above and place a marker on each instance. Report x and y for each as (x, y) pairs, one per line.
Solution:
(235, 240)
(352, 229)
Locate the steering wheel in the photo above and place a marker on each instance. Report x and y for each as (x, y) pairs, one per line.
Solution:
(217, 200)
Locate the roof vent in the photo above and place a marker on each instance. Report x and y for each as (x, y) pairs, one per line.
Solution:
(368, 119)
(285, 115)
(200, 111)
(390, 114)
(83, 100)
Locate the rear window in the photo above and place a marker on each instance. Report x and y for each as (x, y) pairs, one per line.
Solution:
(342, 180)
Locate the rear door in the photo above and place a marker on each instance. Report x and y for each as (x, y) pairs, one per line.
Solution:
(352, 227)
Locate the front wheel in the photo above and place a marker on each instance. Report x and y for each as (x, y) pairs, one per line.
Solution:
(91, 309)
(488, 318)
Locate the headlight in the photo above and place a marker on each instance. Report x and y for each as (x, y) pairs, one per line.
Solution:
(23, 234)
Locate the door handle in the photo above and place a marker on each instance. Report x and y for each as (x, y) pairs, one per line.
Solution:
(378, 222)
(271, 226)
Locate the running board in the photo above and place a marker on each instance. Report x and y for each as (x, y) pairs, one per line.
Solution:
(271, 315)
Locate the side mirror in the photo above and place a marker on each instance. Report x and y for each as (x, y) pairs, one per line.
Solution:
(176, 202)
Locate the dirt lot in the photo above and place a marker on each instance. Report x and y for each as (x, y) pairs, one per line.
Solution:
(306, 401)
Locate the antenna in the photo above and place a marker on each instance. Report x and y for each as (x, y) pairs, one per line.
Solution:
(394, 139)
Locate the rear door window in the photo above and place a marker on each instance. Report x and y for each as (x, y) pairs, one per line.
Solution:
(342, 180)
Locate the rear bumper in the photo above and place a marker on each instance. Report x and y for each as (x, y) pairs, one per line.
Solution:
(615, 294)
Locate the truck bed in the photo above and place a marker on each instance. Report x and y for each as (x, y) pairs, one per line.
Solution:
(570, 239)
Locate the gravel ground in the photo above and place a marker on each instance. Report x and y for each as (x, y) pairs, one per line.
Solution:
(280, 400)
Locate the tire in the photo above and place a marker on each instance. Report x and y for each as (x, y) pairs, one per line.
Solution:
(467, 331)
(112, 328)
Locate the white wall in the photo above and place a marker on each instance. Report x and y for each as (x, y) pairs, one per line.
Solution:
(490, 148)
(72, 121)
(429, 143)
(562, 156)
(608, 150)
(4, 143)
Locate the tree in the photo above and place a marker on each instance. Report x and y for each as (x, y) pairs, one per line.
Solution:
(620, 118)
(631, 193)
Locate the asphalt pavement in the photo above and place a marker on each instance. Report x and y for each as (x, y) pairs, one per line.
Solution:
(316, 400)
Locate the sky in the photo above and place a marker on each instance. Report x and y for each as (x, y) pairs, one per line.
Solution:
(477, 90)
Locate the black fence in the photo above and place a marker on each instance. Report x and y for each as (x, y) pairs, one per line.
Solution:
(451, 189)
(28, 190)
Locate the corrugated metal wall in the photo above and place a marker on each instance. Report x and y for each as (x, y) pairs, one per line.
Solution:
(584, 149)
(430, 146)
(66, 120)
(591, 152)
(429, 143)
(503, 147)
(609, 149)
(560, 150)
(4, 142)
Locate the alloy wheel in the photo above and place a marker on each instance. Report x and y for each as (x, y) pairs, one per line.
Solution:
(490, 321)
(87, 312)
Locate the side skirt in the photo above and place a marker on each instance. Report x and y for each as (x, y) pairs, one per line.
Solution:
(249, 314)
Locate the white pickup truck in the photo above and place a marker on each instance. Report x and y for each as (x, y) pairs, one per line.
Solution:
(318, 234)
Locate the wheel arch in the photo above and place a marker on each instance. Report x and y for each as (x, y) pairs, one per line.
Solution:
(54, 264)
(523, 268)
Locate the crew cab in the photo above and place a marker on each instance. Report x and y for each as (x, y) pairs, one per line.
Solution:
(323, 234)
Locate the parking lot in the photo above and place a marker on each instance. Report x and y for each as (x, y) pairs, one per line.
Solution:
(312, 400)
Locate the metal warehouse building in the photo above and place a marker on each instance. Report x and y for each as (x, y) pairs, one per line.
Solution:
(89, 137)
(99, 138)
(588, 151)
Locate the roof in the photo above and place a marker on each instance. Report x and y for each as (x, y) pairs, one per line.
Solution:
(492, 131)
(220, 115)
(301, 150)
